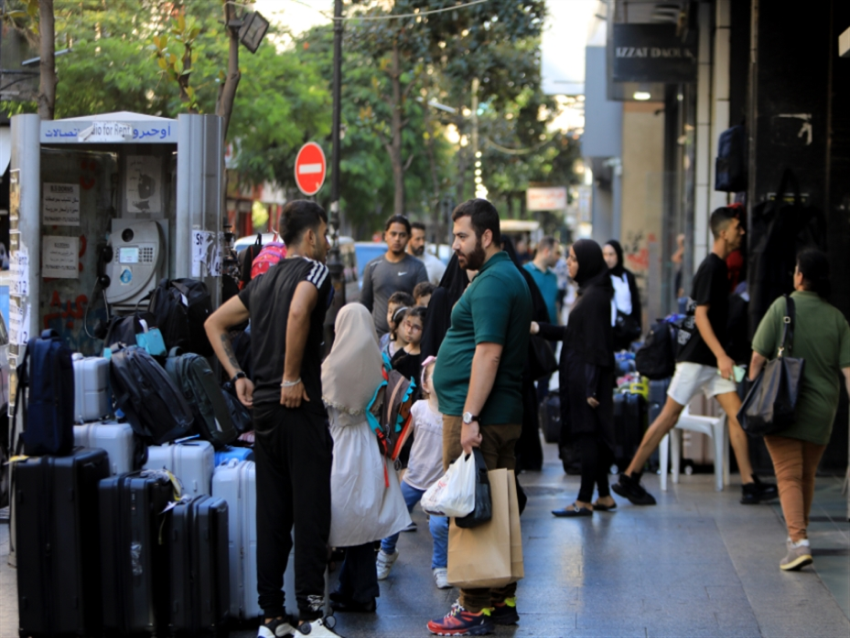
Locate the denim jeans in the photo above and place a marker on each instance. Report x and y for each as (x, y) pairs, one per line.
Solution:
(439, 526)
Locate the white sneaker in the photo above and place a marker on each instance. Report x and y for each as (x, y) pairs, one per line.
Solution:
(441, 578)
(321, 628)
(276, 629)
(384, 563)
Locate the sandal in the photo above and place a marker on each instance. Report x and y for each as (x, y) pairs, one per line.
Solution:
(604, 508)
(572, 511)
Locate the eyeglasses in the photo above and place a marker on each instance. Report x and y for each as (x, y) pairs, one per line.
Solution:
(412, 326)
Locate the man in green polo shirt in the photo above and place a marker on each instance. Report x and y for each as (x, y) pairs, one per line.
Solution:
(478, 381)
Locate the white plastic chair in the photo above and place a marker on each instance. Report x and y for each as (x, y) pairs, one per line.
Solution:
(671, 445)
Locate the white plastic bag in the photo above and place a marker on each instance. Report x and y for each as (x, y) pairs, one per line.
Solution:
(454, 493)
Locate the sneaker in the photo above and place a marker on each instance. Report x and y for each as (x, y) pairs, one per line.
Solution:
(441, 577)
(321, 628)
(384, 563)
(277, 628)
(756, 492)
(460, 622)
(799, 555)
(505, 613)
(630, 488)
(411, 528)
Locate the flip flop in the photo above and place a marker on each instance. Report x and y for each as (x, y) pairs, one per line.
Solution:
(571, 511)
(599, 507)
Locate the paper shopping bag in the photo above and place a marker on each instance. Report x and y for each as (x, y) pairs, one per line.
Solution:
(517, 567)
(481, 557)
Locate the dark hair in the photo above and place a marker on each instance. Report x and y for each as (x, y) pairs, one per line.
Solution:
(546, 242)
(720, 219)
(483, 216)
(418, 226)
(423, 288)
(404, 298)
(398, 219)
(297, 216)
(814, 266)
(416, 311)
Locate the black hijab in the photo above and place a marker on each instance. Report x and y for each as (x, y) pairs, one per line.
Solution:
(438, 319)
(592, 269)
(619, 269)
(539, 310)
(589, 329)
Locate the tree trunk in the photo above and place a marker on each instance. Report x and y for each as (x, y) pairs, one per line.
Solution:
(396, 124)
(432, 161)
(227, 96)
(47, 66)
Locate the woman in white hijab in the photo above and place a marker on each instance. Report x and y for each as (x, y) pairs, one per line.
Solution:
(366, 500)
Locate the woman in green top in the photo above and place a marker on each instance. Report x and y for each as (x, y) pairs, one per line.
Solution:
(822, 339)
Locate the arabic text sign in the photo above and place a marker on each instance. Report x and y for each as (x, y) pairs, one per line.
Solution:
(19, 267)
(75, 132)
(60, 204)
(60, 257)
(552, 198)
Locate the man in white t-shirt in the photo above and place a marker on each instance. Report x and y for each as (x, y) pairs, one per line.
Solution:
(416, 247)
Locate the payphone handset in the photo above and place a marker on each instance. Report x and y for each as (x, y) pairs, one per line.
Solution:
(137, 257)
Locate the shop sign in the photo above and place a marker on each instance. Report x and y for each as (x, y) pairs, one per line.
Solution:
(652, 53)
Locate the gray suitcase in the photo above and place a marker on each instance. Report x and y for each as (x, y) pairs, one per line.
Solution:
(116, 438)
(91, 389)
(192, 462)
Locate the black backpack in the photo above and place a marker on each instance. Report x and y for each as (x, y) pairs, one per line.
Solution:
(239, 414)
(730, 167)
(193, 375)
(246, 260)
(153, 404)
(656, 359)
(181, 306)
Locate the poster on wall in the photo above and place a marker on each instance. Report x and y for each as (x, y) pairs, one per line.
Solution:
(206, 254)
(143, 184)
(60, 204)
(60, 257)
(19, 323)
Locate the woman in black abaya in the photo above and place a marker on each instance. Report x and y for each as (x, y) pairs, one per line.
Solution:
(626, 297)
(438, 319)
(586, 375)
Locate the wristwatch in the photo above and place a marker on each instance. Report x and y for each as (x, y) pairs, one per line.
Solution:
(468, 418)
(237, 376)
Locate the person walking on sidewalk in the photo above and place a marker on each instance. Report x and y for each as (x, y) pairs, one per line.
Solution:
(587, 375)
(395, 271)
(293, 448)
(626, 304)
(478, 380)
(821, 337)
(703, 365)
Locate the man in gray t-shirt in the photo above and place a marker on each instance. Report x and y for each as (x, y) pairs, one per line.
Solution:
(394, 271)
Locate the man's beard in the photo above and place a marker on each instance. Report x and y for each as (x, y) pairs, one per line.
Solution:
(475, 259)
(418, 252)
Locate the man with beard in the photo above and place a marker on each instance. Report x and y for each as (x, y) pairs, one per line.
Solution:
(478, 380)
(393, 272)
(416, 247)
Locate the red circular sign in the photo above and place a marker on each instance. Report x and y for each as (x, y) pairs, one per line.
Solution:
(310, 168)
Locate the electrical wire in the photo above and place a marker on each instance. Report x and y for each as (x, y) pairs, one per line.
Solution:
(515, 151)
(390, 16)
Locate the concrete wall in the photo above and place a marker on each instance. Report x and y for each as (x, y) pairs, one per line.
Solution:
(642, 179)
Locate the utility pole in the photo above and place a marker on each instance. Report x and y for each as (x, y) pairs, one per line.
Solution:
(335, 265)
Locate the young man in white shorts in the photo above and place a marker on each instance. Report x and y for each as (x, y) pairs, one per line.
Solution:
(703, 366)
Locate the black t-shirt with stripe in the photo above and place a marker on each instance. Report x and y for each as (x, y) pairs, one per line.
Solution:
(267, 299)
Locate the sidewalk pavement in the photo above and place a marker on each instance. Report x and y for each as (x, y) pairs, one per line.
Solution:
(697, 564)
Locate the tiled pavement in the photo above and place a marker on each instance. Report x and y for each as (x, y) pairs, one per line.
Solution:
(697, 564)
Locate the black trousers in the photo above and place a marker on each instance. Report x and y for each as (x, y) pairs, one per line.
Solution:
(293, 451)
(596, 459)
(358, 577)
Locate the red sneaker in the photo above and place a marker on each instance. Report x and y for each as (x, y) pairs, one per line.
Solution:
(460, 622)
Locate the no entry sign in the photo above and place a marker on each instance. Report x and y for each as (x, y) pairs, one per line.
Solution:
(310, 168)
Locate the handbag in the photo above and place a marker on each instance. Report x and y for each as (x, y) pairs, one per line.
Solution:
(541, 362)
(769, 405)
(626, 327)
(483, 511)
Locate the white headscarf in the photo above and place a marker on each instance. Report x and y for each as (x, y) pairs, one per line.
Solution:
(352, 371)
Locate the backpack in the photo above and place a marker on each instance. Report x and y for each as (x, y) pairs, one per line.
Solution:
(272, 253)
(656, 359)
(246, 261)
(392, 423)
(180, 308)
(239, 414)
(730, 167)
(145, 393)
(138, 329)
(47, 375)
(193, 375)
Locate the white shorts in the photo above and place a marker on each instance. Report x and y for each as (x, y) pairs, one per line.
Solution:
(690, 378)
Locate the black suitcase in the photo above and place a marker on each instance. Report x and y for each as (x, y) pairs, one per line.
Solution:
(629, 411)
(200, 567)
(550, 417)
(134, 559)
(56, 514)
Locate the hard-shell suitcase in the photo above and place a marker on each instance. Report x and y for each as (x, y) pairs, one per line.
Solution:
(116, 438)
(233, 453)
(550, 417)
(200, 569)
(628, 427)
(58, 558)
(91, 388)
(134, 558)
(190, 461)
(657, 398)
(236, 483)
